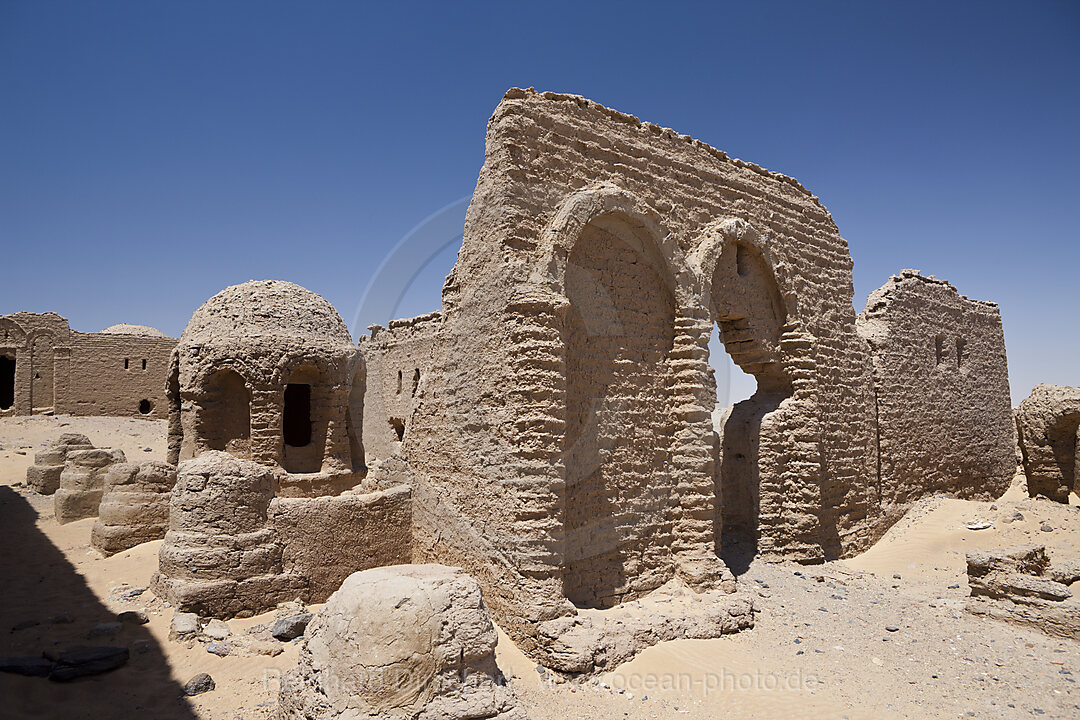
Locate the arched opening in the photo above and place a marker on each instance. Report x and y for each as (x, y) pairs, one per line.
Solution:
(750, 315)
(303, 421)
(41, 373)
(7, 382)
(225, 414)
(356, 421)
(618, 336)
(145, 407)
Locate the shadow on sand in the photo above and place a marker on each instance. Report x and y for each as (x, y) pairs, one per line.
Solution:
(38, 585)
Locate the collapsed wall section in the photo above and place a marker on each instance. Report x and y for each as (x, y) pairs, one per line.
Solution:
(945, 421)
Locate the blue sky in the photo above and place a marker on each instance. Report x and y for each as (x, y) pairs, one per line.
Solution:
(154, 153)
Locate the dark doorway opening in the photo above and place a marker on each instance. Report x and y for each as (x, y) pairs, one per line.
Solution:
(7, 382)
(296, 425)
(145, 407)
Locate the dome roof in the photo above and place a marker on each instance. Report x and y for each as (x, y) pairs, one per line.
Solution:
(260, 308)
(125, 329)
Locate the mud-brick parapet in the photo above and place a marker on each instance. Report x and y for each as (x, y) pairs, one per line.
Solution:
(1048, 422)
(326, 539)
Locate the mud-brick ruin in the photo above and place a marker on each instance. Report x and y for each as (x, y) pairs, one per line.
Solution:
(46, 367)
(550, 430)
(554, 419)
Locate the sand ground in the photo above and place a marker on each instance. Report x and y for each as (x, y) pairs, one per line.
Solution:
(820, 647)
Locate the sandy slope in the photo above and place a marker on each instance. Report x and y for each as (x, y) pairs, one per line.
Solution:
(820, 648)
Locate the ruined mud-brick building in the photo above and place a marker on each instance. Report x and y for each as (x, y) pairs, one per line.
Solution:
(45, 366)
(269, 502)
(550, 429)
(554, 418)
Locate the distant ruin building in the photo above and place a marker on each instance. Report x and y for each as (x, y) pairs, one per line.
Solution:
(46, 367)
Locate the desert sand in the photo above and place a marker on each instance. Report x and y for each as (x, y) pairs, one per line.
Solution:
(881, 635)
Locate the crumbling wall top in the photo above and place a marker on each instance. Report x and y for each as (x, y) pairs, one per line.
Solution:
(533, 94)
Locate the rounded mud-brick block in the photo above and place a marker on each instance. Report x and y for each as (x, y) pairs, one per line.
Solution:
(405, 641)
(218, 494)
(219, 557)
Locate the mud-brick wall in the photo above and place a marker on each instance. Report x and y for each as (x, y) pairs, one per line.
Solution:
(113, 374)
(945, 420)
(397, 364)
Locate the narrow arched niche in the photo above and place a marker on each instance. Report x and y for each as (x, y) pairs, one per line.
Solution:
(618, 335)
(224, 414)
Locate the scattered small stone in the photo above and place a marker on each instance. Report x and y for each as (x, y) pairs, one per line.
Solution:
(896, 576)
(34, 666)
(105, 629)
(218, 648)
(199, 684)
(184, 625)
(892, 628)
(24, 625)
(217, 629)
(80, 662)
(133, 592)
(954, 587)
(134, 617)
(265, 647)
(288, 628)
(1046, 528)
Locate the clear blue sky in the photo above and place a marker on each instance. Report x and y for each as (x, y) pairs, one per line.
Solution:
(154, 153)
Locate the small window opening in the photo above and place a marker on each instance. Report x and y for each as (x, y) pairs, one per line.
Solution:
(143, 364)
(145, 407)
(399, 427)
(961, 346)
(939, 343)
(296, 425)
(415, 381)
(398, 382)
(126, 363)
(742, 262)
